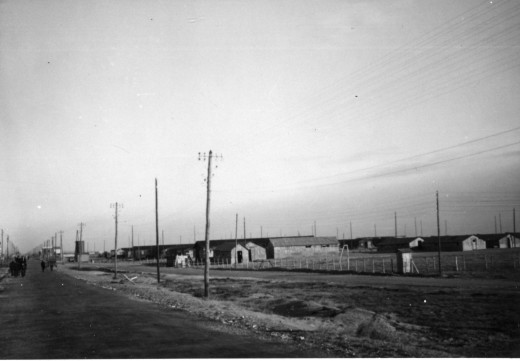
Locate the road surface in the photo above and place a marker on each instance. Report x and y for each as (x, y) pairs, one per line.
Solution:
(48, 315)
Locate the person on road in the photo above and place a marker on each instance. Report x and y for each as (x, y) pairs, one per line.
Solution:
(43, 265)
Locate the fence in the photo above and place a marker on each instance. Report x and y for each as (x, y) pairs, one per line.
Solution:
(426, 263)
(492, 260)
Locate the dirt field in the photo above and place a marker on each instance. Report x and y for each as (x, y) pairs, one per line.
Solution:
(383, 316)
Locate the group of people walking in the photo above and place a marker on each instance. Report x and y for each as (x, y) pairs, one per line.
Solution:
(50, 263)
(18, 266)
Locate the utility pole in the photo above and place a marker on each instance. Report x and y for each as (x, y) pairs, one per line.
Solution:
(157, 232)
(496, 225)
(236, 240)
(395, 221)
(244, 229)
(315, 229)
(350, 229)
(80, 243)
(116, 206)
(162, 237)
(415, 224)
(438, 233)
(375, 230)
(514, 226)
(500, 221)
(133, 255)
(208, 193)
(421, 229)
(61, 245)
(514, 222)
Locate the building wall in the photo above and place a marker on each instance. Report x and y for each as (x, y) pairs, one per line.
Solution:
(509, 241)
(228, 256)
(473, 243)
(256, 252)
(301, 251)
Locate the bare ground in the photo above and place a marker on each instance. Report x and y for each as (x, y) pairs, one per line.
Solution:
(343, 320)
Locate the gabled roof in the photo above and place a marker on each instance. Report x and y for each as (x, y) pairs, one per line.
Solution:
(303, 241)
(387, 241)
(214, 243)
(496, 236)
(449, 239)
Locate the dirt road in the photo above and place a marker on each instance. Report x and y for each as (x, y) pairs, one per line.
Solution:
(49, 315)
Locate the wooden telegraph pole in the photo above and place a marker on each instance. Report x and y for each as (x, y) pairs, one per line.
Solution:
(116, 206)
(61, 245)
(206, 237)
(395, 221)
(438, 233)
(236, 240)
(157, 233)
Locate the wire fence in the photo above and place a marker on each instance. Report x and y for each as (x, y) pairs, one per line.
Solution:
(503, 260)
(421, 263)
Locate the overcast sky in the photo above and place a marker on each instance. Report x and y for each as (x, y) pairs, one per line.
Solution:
(334, 112)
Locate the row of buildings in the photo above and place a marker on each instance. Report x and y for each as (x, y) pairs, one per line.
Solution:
(255, 249)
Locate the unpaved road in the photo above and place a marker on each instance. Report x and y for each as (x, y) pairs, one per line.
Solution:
(49, 315)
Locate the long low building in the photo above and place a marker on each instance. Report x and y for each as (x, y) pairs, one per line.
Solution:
(454, 243)
(501, 240)
(304, 246)
(253, 249)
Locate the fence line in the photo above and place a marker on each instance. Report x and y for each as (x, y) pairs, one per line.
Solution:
(422, 263)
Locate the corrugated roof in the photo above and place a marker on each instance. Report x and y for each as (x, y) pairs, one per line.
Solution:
(303, 241)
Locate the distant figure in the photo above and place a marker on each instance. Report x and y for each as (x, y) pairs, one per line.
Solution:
(12, 268)
(23, 266)
(43, 265)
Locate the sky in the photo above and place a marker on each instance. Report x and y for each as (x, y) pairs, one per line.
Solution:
(330, 117)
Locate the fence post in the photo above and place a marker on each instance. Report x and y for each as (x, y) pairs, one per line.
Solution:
(456, 264)
(364, 270)
(463, 263)
(392, 265)
(373, 269)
